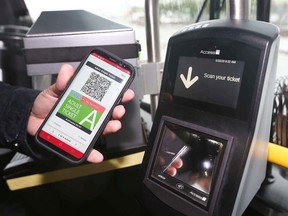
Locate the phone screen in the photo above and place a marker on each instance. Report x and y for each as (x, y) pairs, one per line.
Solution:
(87, 103)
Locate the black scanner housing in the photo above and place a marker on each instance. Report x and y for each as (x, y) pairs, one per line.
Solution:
(238, 115)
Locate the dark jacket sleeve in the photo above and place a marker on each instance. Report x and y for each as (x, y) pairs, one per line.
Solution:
(15, 108)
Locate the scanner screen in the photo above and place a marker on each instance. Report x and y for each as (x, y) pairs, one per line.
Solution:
(215, 81)
(187, 161)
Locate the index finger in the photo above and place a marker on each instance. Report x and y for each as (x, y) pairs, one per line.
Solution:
(128, 96)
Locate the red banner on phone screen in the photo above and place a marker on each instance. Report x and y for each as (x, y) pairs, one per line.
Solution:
(58, 143)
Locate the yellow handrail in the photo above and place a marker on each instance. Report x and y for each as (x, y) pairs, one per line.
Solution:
(278, 155)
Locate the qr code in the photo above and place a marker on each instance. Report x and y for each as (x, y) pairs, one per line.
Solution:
(96, 86)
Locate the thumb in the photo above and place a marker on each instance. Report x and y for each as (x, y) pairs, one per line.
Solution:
(64, 75)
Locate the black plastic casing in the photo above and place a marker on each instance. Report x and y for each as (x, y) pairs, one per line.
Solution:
(244, 125)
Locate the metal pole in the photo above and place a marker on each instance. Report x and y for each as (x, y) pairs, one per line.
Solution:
(263, 10)
(214, 9)
(238, 9)
(153, 42)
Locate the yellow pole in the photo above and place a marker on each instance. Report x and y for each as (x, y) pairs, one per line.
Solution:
(278, 155)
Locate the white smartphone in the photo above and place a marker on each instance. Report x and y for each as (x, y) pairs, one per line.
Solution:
(85, 107)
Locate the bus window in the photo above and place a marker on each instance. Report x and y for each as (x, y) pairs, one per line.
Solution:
(173, 15)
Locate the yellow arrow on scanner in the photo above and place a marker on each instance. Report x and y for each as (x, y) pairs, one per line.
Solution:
(188, 82)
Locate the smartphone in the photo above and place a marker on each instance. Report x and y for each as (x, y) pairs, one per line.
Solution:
(85, 107)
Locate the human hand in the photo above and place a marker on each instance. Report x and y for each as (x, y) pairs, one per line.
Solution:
(48, 97)
(173, 168)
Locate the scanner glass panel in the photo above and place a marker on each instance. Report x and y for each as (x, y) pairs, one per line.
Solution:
(194, 155)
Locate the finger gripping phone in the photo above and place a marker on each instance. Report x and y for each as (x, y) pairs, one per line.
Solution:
(85, 107)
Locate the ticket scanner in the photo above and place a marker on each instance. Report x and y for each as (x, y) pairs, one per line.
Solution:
(207, 150)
